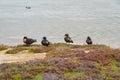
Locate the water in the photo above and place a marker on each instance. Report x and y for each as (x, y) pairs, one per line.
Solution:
(99, 19)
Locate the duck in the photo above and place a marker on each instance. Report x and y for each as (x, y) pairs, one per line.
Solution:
(89, 40)
(45, 42)
(28, 41)
(68, 39)
(28, 7)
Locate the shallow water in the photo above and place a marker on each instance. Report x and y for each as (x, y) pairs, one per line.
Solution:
(99, 19)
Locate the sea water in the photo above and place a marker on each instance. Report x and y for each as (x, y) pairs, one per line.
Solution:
(99, 19)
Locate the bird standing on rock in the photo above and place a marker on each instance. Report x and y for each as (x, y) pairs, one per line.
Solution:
(89, 41)
(45, 42)
(28, 41)
(68, 39)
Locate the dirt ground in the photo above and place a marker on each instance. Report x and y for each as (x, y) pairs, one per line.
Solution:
(20, 57)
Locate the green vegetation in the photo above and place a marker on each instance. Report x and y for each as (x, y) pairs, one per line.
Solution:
(39, 77)
(65, 62)
(15, 50)
(72, 75)
(17, 77)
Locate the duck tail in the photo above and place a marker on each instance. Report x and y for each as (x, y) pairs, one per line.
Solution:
(71, 41)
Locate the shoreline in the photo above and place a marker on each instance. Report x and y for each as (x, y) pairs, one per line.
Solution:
(14, 45)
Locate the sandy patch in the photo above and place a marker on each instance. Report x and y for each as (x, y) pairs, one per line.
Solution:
(19, 57)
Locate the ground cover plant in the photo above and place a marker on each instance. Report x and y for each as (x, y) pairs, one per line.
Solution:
(66, 62)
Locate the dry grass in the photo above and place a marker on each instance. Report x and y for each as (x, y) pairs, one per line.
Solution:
(3, 47)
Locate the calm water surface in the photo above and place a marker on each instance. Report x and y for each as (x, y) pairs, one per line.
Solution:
(99, 19)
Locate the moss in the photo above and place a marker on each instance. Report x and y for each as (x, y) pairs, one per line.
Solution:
(11, 52)
(74, 74)
(53, 53)
(16, 50)
(115, 69)
(39, 76)
(34, 45)
(19, 48)
(17, 77)
(37, 50)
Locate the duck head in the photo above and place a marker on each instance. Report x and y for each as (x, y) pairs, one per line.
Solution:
(44, 38)
(66, 35)
(24, 39)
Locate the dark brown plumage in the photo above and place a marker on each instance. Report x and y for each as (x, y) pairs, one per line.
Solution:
(28, 41)
(89, 41)
(45, 42)
(68, 39)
